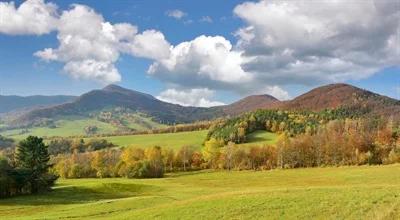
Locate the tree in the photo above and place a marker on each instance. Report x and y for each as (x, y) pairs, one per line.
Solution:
(211, 151)
(229, 154)
(32, 157)
(185, 155)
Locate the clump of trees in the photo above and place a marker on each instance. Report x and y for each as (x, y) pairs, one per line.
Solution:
(28, 171)
(66, 145)
(91, 130)
(277, 121)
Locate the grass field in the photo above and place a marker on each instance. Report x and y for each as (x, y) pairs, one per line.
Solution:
(170, 140)
(74, 126)
(64, 128)
(319, 193)
(177, 140)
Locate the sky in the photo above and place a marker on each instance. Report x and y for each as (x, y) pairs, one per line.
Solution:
(199, 53)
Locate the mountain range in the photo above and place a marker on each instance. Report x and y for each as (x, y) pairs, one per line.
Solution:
(324, 97)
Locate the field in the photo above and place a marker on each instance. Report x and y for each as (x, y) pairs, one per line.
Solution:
(177, 140)
(317, 193)
(74, 126)
(170, 140)
(64, 128)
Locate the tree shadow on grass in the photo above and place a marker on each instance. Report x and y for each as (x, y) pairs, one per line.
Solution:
(76, 194)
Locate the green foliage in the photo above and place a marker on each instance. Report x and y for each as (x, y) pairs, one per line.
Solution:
(32, 157)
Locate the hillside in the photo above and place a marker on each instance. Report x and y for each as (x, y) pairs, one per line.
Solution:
(13, 103)
(250, 103)
(127, 109)
(346, 96)
(114, 96)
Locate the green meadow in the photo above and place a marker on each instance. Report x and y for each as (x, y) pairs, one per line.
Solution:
(169, 140)
(180, 139)
(64, 128)
(365, 192)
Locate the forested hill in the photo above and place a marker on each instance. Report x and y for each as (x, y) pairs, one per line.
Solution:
(332, 96)
(345, 96)
(116, 96)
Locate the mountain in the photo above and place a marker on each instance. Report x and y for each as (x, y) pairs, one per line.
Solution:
(13, 103)
(96, 102)
(250, 103)
(345, 96)
(115, 96)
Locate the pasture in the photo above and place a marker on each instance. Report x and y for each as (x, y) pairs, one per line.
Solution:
(366, 192)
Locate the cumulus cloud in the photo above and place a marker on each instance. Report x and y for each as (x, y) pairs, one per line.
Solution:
(176, 13)
(205, 61)
(90, 46)
(32, 17)
(191, 97)
(297, 42)
(149, 44)
(276, 92)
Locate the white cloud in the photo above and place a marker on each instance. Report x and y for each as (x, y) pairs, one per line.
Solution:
(149, 44)
(276, 92)
(202, 62)
(297, 42)
(102, 71)
(206, 19)
(31, 17)
(176, 13)
(90, 46)
(191, 97)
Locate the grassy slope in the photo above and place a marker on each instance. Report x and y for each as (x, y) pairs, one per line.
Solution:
(75, 126)
(171, 140)
(320, 193)
(64, 128)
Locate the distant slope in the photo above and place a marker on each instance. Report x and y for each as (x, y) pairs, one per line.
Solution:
(115, 96)
(250, 103)
(346, 96)
(12, 103)
(325, 97)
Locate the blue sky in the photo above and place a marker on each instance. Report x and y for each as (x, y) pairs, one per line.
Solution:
(23, 73)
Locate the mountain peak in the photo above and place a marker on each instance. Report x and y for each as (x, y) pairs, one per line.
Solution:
(113, 87)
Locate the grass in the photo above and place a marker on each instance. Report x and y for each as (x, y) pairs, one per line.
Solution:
(318, 193)
(177, 140)
(170, 140)
(64, 128)
(259, 138)
(74, 126)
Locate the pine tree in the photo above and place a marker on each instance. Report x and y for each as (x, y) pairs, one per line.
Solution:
(33, 158)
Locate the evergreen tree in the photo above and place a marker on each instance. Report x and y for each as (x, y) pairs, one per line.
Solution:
(33, 158)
